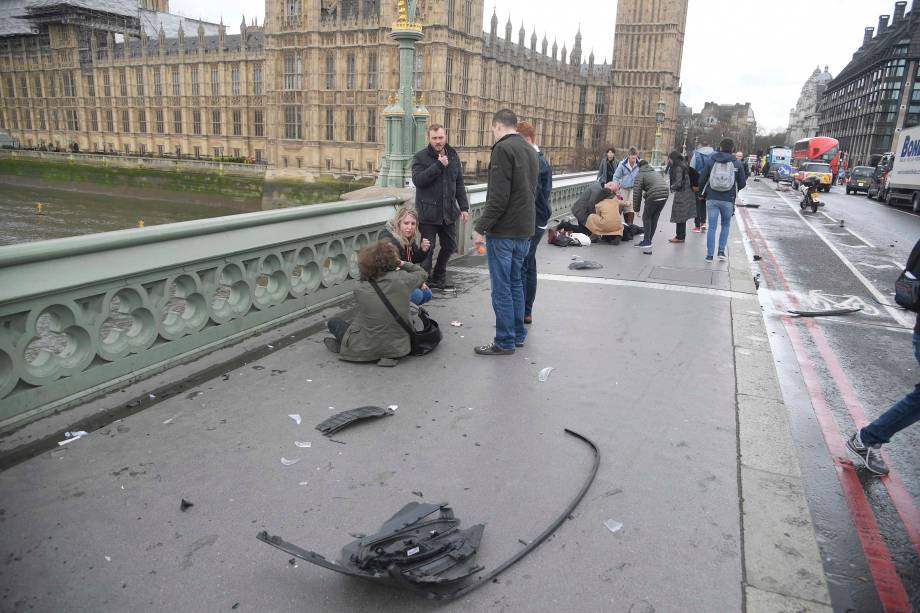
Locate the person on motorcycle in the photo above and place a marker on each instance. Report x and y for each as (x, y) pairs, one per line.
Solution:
(809, 188)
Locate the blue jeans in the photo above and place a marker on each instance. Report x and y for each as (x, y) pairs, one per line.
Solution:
(420, 296)
(718, 209)
(903, 413)
(530, 271)
(506, 262)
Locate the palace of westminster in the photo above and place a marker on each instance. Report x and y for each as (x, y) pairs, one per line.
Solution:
(307, 88)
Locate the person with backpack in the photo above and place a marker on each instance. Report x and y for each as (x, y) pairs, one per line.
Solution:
(698, 162)
(684, 205)
(625, 176)
(722, 178)
(867, 442)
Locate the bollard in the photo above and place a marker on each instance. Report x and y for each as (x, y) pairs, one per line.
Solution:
(39, 208)
(140, 223)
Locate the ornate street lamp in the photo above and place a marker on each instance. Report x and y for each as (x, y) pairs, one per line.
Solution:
(659, 119)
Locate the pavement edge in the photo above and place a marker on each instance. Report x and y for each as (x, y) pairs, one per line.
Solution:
(782, 568)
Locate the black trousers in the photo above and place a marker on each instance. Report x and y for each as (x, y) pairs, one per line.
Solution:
(681, 230)
(448, 235)
(650, 219)
(700, 218)
(337, 328)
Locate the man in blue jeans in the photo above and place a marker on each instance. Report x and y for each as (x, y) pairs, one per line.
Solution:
(722, 178)
(505, 227)
(866, 443)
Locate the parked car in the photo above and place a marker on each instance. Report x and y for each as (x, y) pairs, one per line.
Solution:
(879, 176)
(859, 179)
(813, 169)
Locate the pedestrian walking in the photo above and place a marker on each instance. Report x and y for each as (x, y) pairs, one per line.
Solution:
(651, 185)
(867, 442)
(401, 231)
(607, 167)
(698, 162)
(440, 198)
(684, 205)
(505, 228)
(543, 213)
(625, 177)
(722, 178)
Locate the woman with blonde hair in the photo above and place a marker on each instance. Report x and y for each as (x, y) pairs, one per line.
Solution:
(401, 231)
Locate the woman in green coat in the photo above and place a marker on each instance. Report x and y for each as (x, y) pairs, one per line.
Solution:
(374, 335)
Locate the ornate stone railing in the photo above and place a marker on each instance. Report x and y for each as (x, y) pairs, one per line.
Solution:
(86, 314)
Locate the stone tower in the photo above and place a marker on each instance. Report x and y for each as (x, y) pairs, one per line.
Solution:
(647, 48)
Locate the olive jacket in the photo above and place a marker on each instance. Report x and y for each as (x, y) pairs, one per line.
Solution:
(374, 333)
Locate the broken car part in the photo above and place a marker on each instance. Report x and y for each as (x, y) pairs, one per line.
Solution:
(826, 313)
(425, 554)
(346, 418)
(585, 265)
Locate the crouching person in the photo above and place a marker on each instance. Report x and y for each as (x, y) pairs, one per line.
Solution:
(606, 221)
(374, 335)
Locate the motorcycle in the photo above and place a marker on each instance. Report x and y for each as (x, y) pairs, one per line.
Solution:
(809, 189)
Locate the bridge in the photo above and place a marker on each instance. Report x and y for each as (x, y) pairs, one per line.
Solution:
(184, 349)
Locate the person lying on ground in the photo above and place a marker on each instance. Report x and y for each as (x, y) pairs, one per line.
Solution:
(587, 201)
(374, 335)
(401, 231)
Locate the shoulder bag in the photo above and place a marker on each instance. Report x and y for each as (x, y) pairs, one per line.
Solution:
(423, 341)
(907, 287)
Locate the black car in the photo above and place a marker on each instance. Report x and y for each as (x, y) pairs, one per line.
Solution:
(859, 179)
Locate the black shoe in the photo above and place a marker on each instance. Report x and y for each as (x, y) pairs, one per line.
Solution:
(440, 284)
(332, 345)
(868, 456)
(493, 349)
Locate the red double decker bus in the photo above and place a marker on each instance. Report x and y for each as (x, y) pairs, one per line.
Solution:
(817, 149)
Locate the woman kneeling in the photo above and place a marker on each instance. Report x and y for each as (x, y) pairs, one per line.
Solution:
(401, 231)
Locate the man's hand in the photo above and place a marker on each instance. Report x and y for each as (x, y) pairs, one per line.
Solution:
(442, 157)
(478, 239)
(465, 216)
(426, 244)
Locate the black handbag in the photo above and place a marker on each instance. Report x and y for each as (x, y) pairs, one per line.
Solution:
(423, 341)
(907, 290)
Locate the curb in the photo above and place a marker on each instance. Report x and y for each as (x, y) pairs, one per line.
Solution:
(782, 568)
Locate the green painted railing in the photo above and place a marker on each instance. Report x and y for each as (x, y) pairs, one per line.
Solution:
(86, 314)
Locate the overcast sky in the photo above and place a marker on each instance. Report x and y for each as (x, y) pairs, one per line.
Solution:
(766, 50)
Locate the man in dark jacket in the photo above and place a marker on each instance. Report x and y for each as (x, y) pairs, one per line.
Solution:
(543, 212)
(440, 197)
(652, 185)
(866, 443)
(721, 179)
(508, 219)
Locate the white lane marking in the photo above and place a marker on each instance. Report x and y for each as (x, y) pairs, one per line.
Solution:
(687, 289)
(897, 316)
(875, 266)
(829, 217)
(859, 237)
(898, 265)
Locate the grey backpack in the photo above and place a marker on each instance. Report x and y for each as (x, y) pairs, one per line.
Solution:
(722, 177)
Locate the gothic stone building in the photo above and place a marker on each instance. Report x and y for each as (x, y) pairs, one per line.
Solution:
(803, 117)
(307, 88)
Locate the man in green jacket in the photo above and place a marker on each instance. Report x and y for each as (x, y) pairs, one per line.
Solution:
(505, 227)
(651, 184)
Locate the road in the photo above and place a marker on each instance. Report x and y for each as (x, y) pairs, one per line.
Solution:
(839, 373)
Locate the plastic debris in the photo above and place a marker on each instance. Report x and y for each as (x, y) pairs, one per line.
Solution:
(544, 374)
(270, 346)
(585, 265)
(613, 525)
(303, 483)
(185, 505)
(72, 436)
(456, 323)
(303, 445)
(108, 558)
(287, 462)
(296, 418)
(346, 418)
(418, 493)
(393, 407)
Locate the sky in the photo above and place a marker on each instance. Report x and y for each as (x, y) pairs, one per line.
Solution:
(755, 46)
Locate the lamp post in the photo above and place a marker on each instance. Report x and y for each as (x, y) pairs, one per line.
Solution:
(686, 132)
(659, 119)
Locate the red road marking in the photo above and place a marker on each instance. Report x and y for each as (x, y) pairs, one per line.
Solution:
(887, 582)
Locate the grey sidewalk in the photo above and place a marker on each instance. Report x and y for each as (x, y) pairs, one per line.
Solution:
(644, 352)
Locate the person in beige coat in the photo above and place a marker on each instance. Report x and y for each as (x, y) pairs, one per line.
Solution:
(606, 221)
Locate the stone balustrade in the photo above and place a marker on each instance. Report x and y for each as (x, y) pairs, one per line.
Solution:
(83, 315)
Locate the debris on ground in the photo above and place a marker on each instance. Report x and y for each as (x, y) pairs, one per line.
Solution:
(428, 555)
(544, 374)
(757, 258)
(455, 323)
(585, 265)
(70, 437)
(287, 462)
(303, 445)
(185, 505)
(829, 313)
(296, 418)
(418, 493)
(613, 525)
(346, 418)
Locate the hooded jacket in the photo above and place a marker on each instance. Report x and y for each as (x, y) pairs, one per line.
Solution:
(698, 160)
(740, 179)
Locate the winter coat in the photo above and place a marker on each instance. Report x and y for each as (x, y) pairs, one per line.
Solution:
(544, 191)
(650, 183)
(626, 176)
(374, 333)
(439, 191)
(740, 179)
(510, 210)
(407, 253)
(698, 160)
(584, 206)
(607, 221)
(684, 205)
(603, 171)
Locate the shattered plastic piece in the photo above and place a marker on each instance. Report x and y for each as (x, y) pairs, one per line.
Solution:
(296, 418)
(270, 346)
(455, 323)
(443, 563)
(185, 505)
(826, 313)
(303, 483)
(72, 436)
(418, 493)
(108, 558)
(303, 445)
(544, 374)
(287, 462)
(613, 526)
(346, 418)
(585, 265)
(151, 396)
(393, 407)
